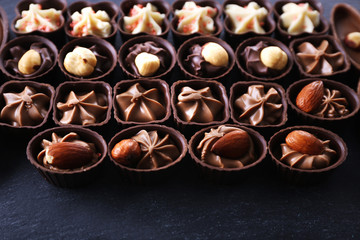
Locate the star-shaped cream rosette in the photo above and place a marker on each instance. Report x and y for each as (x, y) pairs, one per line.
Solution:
(156, 152)
(198, 105)
(140, 105)
(82, 109)
(320, 60)
(332, 105)
(144, 19)
(248, 18)
(258, 107)
(27, 108)
(299, 18)
(194, 18)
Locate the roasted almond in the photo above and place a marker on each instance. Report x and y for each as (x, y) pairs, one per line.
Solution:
(232, 145)
(304, 142)
(68, 155)
(309, 98)
(126, 152)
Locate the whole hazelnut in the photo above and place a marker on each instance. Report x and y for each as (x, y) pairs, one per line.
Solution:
(80, 62)
(126, 152)
(274, 57)
(147, 64)
(215, 54)
(29, 62)
(352, 40)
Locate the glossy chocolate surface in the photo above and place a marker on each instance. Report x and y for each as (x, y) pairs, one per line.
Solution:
(3, 27)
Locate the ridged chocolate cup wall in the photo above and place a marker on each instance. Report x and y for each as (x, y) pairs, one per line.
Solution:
(4, 29)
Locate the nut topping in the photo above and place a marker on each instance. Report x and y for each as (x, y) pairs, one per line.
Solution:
(147, 64)
(309, 98)
(232, 145)
(127, 152)
(304, 142)
(215, 54)
(80, 62)
(352, 40)
(29, 62)
(274, 57)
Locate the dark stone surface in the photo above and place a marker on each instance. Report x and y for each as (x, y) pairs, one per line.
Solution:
(185, 206)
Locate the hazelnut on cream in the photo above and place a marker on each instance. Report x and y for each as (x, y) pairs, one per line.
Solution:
(274, 57)
(352, 40)
(80, 62)
(147, 64)
(29, 62)
(215, 54)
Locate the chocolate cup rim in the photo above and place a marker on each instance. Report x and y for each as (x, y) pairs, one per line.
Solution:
(91, 4)
(103, 84)
(194, 40)
(38, 32)
(353, 11)
(315, 4)
(31, 84)
(312, 129)
(325, 81)
(244, 44)
(173, 133)
(141, 39)
(140, 80)
(30, 38)
(334, 44)
(156, 3)
(253, 134)
(217, 19)
(68, 129)
(192, 123)
(262, 3)
(79, 41)
(5, 22)
(278, 88)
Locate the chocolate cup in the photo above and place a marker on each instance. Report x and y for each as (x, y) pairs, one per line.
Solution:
(124, 51)
(107, 50)
(67, 178)
(57, 36)
(146, 176)
(252, 42)
(179, 37)
(182, 53)
(109, 7)
(240, 88)
(305, 176)
(63, 90)
(25, 42)
(124, 85)
(18, 86)
(235, 38)
(350, 95)
(162, 6)
(219, 93)
(323, 27)
(344, 20)
(4, 30)
(316, 41)
(227, 175)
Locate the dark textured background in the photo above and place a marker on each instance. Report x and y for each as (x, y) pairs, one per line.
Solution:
(183, 207)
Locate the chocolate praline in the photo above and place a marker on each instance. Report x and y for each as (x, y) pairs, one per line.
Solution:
(193, 62)
(4, 31)
(67, 178)
(145, 176)
(321, 29)
(164, 48)
(346, 92)
(236, 38)
(14, 50)
(240, 88)
(344, 19)
(306, 176)
(17, 87)
(162, 6)
(102, 91)
(334, 47)
(252, 48)
(109, 7)
(179, 37)
(103, 51)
